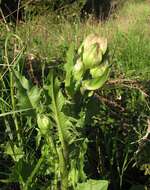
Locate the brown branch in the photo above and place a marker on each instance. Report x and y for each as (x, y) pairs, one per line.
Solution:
(3, 18)
(109, 102)
(129, 83)
(118, 81)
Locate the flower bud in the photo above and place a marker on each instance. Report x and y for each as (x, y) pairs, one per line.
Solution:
(92, 39)
(43, 123)
(92, 56)
(92, 49)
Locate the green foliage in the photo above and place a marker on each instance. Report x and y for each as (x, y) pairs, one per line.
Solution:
(15, 152)
(66, 7)
(28, 96)
(71, 131)
(65, 149)
(93, 184)
(91, 53)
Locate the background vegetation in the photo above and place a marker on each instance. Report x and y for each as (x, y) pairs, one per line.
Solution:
(112, 135)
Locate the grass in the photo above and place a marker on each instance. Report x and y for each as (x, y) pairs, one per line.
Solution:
(127, 31)
(121, 108)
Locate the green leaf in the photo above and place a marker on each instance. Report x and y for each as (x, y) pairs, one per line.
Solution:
(15, 152)
(56, 108)
(68, 67)
(63, 122)
(28, 96)
(76, 172)
(99, 70)
(34, 96)
(21, 80)
(22, 170)
(93, 185)
(96, 83)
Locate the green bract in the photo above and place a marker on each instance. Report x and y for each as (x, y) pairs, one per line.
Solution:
(99, 70)
(78, 69)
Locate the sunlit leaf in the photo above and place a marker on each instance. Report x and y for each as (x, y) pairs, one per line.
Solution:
(96, 83)
(22, 81)
(68, 67)
(99, 70)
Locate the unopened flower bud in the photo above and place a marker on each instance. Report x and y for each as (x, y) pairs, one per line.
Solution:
(43, 123)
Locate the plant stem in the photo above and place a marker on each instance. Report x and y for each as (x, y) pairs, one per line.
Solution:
(63, 151)
(11, 91)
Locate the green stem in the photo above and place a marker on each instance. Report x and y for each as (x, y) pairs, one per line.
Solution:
(13, 109)
(63, 170)
(63, 151)
(8, 128)
(12, 90)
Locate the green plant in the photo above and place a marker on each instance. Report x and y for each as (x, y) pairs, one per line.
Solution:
(61, 125)
(110, 124)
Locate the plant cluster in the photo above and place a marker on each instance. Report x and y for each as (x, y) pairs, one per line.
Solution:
(64, 125)
(57, 116)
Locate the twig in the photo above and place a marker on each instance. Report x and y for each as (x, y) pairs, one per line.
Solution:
(3, 17)
(118, 81)
(112, 103)
(129, 83)
(18, 9)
